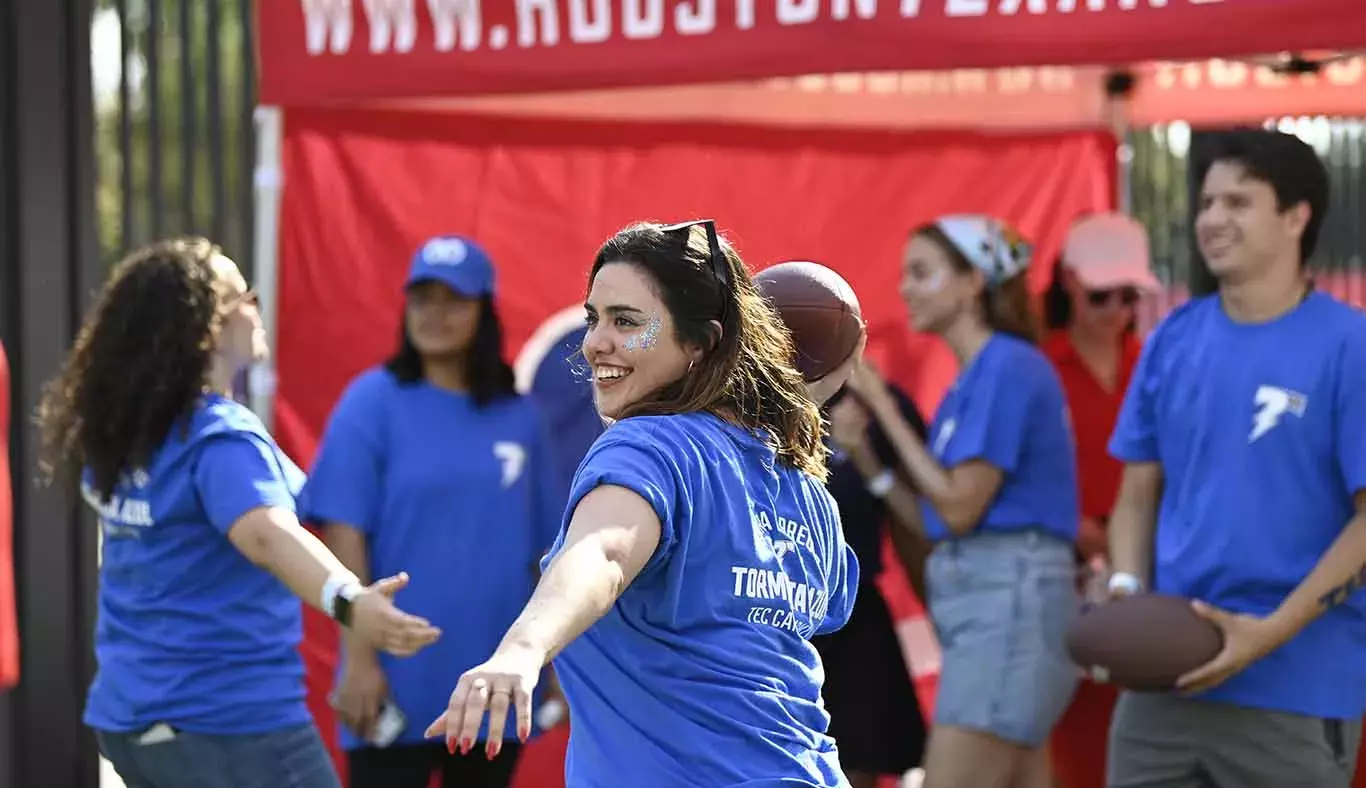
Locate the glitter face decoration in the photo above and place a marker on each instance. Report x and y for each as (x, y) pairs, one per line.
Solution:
(646, 338)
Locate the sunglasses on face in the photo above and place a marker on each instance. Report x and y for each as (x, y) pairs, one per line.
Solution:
(1128, 296)
(719, 267)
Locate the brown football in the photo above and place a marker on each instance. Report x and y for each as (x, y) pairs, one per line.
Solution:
(1143, 642)
(819, 308)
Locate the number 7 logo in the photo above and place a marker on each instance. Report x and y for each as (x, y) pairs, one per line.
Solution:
(513, 458)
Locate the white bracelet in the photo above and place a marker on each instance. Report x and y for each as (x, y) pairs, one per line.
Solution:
(338, 584)
(1126, 583)
(881, 484)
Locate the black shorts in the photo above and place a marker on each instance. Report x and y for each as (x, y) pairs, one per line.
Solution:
(411, 766)
(875, 717)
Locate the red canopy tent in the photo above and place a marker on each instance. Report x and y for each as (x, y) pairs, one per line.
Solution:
(539, 126)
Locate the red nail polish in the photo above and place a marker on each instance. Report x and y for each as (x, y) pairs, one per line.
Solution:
(450, 745)
(491, 751)
(465, 745)
(524, 733)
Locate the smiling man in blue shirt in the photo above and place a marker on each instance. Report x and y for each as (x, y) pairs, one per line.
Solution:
(1244, 438)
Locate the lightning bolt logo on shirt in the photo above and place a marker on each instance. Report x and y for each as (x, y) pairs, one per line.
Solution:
(1273, 402)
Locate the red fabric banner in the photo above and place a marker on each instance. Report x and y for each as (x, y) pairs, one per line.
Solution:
(315, 51)
(365, 188)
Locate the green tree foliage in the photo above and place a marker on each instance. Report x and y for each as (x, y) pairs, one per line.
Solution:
(1159, 183)
(174, 138)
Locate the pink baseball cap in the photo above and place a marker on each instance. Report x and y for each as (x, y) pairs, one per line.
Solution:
(1109, 250)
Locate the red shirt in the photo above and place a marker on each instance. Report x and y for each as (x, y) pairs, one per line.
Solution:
(1094, 413)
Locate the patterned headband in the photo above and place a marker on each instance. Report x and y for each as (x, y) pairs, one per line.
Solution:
(992, 246)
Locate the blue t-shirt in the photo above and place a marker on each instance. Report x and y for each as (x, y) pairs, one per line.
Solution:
(1261, 434)
(464, 499)
(189, 632)
(702, 673)
(1008, 409)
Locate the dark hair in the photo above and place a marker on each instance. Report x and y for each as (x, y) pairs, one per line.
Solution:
(1007, 306)
(1057, 303)
(746, 375)
(488, 374)
(1282, 161)
(139, 364)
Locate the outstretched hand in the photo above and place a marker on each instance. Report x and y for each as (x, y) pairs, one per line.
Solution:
(376, 620)
(504, 683)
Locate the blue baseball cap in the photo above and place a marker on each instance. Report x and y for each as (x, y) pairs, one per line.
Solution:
(456, 262)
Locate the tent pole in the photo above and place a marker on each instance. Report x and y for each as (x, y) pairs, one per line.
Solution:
(268, 184)
(1119, 87)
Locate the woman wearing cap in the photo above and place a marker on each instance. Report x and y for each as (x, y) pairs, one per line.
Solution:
(1089, 310)
(999, 498)
(424, 458)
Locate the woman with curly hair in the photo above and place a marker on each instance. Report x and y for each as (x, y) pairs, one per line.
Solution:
(199, 680)
(700, 550)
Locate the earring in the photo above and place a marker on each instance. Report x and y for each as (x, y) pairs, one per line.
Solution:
(690, 363)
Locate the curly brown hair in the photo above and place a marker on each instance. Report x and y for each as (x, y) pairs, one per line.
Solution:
(747, 377)
(139, 364)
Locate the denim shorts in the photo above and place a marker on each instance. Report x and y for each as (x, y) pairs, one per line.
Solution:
(1001, 604)
(160, 758)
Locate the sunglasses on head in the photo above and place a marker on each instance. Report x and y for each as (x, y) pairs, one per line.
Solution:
(246, 298)
(719, 267)
(1128, 296)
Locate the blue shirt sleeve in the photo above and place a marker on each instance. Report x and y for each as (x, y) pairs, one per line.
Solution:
(1351, 414)
(344, 486)
(236, 473)
(997, 414)
(843, 588)
(1135, 436)
(627, 457)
